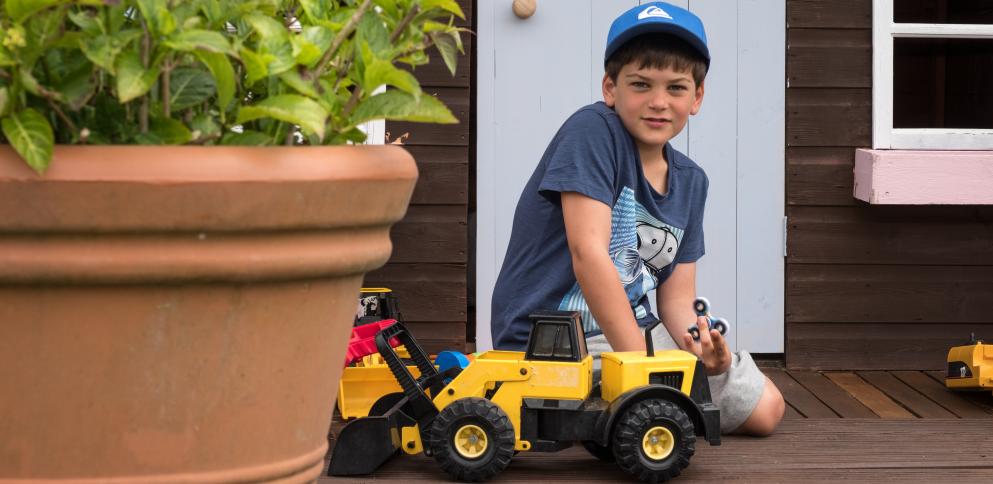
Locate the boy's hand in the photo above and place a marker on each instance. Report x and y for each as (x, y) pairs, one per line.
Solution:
(712, 348)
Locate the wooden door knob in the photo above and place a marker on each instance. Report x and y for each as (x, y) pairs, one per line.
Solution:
(524, 8)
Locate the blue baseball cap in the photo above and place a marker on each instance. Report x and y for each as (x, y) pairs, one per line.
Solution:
(657, 17)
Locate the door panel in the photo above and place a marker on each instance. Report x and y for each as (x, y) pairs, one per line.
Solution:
(530, 79)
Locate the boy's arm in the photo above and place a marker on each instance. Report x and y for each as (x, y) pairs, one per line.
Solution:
(674, 298)
(587, 227)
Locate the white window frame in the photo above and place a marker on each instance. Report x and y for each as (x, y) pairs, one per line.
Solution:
(884, 135)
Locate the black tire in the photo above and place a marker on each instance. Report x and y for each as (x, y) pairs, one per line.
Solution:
(605, 454)
(633, 427)
(461, 416)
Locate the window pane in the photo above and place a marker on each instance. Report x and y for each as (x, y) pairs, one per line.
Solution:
(943, 11)
(563, 347)
(544, 344)
(942, 83)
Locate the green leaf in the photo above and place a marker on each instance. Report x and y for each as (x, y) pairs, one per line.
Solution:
(76, 87)
(315, 9)
(69, 40)
(203, 125)
(156, 13)
(133, 80)
(189, 87)
(170, 131)
(147, 139)
(416, 58)
(274, 45)
(353, 135)
(449, 51)
(267, 27)
(191, 40)
(432, 26)
(31, 136)
(304, 51)
(18, 10)
(43, 29)
(381, 72)
(28, 81)
(388, 6)
(319, 36)
(293, 79)
(291, 108)
(255, 66)
(450, 6)
(223, 73)
(4, 100)
(88, 21)
(103, 50)
(310, 45)
(6, 58)
(400, 106)
(246, 138)
(372, 30)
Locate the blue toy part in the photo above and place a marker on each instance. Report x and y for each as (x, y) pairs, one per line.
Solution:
(450, 359)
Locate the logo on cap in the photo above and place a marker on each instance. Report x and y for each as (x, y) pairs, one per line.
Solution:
(653, 11)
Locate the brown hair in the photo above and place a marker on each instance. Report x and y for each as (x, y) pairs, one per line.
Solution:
(658, 51)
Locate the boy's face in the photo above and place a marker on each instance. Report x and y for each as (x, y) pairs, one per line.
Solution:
(654, 104)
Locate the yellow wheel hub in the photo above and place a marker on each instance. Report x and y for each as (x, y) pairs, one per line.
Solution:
(658, 443)
(470, 441)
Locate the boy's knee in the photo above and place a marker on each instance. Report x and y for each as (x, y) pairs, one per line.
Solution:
(767, 414)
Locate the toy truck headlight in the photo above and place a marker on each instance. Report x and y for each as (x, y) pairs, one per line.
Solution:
(958, 369)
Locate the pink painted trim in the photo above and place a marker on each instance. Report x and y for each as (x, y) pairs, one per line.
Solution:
(910, 177)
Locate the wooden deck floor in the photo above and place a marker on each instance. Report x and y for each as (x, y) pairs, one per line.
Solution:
(877, 395)
(857, 426)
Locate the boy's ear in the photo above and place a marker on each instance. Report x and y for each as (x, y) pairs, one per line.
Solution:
(699, 100)
(608, 86)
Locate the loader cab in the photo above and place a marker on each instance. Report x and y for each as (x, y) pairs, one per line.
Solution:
(556, 336)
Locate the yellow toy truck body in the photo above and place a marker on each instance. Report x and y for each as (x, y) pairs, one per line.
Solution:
(970, 367)
(645, 411)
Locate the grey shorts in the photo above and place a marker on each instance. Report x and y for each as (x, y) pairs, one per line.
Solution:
(736, 392)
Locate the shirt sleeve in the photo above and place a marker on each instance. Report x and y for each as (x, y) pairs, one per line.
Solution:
(582, 159)
(692, 247)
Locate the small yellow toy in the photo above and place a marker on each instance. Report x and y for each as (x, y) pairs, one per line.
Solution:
(970, 367)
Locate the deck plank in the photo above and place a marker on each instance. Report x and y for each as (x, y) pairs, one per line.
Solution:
(833, 396)
(802, 450)
(905, 395)
(796, 395)
(869, 395)
(791, 412)
(939, 394)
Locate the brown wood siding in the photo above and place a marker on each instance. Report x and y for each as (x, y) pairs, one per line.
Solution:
(867, 287)
(427, 270)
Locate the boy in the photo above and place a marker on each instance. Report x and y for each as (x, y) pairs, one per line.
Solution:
(613, 211)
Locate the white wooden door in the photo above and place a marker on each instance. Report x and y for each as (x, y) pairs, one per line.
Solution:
(533, 73)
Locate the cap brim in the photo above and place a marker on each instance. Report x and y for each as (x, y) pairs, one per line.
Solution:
(660, 28)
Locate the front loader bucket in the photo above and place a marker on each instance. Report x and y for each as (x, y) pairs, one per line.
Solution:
(366, 443)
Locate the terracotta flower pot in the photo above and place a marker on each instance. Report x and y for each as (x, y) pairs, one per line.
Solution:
(181, 313)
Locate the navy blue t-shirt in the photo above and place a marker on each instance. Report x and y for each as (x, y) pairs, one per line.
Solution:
(593, 154)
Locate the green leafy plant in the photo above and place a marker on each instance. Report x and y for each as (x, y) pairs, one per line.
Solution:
(215, 72)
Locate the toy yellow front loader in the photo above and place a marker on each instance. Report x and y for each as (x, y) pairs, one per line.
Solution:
(970, 367)
(645, 413)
